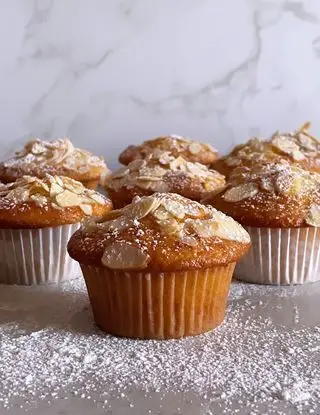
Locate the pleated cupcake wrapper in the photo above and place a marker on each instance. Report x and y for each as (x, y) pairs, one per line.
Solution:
(158, 305)
(36, 256)
(281, 256)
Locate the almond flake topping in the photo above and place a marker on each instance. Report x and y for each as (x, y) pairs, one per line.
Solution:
(58, 192)
(313, 218)
(59, 152)
(120, 255)
(166, 214)
(274, 178)
(298, 146)
(159, 169)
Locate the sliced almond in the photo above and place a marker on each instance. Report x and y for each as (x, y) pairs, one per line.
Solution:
(161, 186)
(39, 199)
(149, 178)
(55, 189)
(178, 164)
(59, 181)
(143, 207)
(18, 195)
(203, 228)
(175, 208)
(68, 199)
(74, 186)
(313, 218)
(232, 231)
(120, 255)
(195, 148)
(86, 209)
(117, 224)
(97, 197)
(122, 172)
(170, 226)
(136, 165)
(241, 192)
(161, 213)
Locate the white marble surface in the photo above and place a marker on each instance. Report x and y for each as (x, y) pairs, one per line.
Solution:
(110, 73)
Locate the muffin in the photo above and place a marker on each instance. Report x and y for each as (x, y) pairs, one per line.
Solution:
(160, 267)
(162, 173)
(57, 157)
(279, 205)
(299, 148)
(175, 145)
(37, 218)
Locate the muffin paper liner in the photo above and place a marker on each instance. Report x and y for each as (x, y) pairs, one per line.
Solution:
(281, 256)
(36, 256)
(158, 305)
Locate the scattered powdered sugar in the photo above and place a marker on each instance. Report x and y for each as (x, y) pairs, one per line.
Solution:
(264, 353)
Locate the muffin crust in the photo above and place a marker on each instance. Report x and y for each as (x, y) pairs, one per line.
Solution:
(162, 232)
(275, 195)
(31, 202)
(175, 145)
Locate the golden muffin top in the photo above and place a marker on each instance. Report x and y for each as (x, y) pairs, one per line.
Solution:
(175, 145)
(298, 147)
(165, 173)
(163, 232)
(271, 195)
(59, 157)
(31, 202)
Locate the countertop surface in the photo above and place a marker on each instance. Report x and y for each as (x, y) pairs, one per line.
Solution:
(264, 359)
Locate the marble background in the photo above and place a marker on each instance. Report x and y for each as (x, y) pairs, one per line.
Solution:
(112, 72)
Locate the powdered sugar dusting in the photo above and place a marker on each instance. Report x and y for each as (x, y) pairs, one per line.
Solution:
(267, 351)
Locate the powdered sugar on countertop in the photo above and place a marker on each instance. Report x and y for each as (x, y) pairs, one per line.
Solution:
(266, 353)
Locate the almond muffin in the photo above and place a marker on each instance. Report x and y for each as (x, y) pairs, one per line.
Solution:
(279, 205)
(173, 144)
(162, 173)
(160, 267)
(299, 148)
(56, 157)
(37, 218)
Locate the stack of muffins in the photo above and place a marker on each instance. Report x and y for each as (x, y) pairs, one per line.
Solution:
(158, 257)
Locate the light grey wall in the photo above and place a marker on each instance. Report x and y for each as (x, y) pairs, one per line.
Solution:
(110, 73)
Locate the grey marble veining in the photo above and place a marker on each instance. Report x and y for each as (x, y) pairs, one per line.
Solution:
(110, 73)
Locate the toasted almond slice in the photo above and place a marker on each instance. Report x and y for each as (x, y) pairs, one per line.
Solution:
(229, 229)
(195, 148)
(178, 164)
(136, 164)
(120, 255)
(97, 197)
(170, 226)
(117, 224)
(86, 209)
(39, 199)
(143, 207)
(67, 199)
(55, 189)
(59, 181)
(18, 195)
(161, 213)
(74, 186)
(149, 178)
(175, 208)
(313, 217)
(203, 228)
(122, 172)
(241, 192)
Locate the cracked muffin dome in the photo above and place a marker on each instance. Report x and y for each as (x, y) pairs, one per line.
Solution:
(31, 202)
(275, 195)
(175, 145)
(162, 173)
(56, 157)
(162, 232)
(299, 148)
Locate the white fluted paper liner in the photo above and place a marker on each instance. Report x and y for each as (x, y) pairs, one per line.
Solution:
(37, 256)
(158, 305)
(281, 256)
